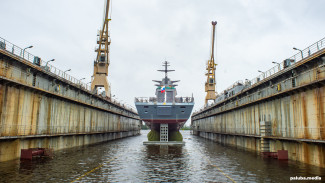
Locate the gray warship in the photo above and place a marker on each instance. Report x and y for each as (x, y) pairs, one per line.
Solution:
(165, 108)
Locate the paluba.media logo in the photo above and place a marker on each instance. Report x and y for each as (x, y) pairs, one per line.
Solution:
(305, 178)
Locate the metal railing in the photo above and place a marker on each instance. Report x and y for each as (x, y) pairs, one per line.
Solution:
(154, 99)
(22, 53)
(280, 66)
(239, 82)
(295, 59)
(184, 99)
(145, 99)
(285, 85)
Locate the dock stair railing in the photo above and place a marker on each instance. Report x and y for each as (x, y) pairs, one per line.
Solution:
(22, 53)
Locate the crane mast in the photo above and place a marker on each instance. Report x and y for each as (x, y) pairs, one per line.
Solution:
(102, 61)
(210, 84)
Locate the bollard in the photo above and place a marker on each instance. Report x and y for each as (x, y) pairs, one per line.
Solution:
(282, 154)
(29, 153)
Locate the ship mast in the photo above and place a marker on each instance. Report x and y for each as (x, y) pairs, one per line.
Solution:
(210, 85)
(166, 64)
(102, 60)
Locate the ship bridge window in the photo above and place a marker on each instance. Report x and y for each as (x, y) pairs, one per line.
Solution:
(183, 107)
(145, 106)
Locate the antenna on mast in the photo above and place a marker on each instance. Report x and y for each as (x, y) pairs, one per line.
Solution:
(166, 64)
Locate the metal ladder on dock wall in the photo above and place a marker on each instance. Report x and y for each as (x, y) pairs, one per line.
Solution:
(163, 132)
(265, 130)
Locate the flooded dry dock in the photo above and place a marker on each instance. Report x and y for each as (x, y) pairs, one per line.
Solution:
(55, 127)
(128, 160)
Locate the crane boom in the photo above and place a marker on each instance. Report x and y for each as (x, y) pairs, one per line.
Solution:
(102, 61)
(210, 85)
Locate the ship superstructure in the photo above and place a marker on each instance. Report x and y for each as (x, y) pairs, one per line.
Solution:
(165, 108)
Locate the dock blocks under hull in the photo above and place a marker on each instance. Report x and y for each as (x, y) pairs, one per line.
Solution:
(164, 137)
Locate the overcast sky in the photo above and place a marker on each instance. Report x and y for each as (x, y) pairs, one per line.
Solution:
(250, 35)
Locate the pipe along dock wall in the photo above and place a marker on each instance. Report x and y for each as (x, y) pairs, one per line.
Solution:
(285, 111)
(39, 109)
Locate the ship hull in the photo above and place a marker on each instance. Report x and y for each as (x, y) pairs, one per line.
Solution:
(173, 125)
(175, 115)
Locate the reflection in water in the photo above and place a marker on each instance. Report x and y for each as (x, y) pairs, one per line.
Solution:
(164, 163)
(28, 166)
(128, 160)
(160, 151)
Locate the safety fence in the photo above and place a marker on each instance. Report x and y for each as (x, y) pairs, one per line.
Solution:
(288, 84)
(154, 100)
(22, 53)
(302, 54)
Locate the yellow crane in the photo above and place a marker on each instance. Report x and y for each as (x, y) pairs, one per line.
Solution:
(101, 62)
(210, 85)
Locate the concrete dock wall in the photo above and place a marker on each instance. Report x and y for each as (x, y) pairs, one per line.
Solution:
(10, 147)
(285, 111)
(41, 106)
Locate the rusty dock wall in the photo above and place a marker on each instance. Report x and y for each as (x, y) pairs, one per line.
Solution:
(284, 110)
(41, 106)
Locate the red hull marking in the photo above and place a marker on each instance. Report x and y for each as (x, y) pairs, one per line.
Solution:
(164, 120)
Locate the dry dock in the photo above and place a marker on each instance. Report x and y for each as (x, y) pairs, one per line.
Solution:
(43, 107)
(282, 109)
(128, 160)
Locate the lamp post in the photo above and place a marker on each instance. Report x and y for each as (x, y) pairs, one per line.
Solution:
(67, 70)
(247, 82)
(263, 73)
(64, 73)
(278, 64)
(80, 81)
(87, 85)
(25, 49)
(49, 61)
(302, 56)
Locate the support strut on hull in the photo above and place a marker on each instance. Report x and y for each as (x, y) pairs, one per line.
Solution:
(163, 132)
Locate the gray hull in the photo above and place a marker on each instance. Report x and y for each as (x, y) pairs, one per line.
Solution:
(174, 115)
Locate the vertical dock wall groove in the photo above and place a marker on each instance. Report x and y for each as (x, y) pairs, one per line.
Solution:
(40, 109)
(283, 112)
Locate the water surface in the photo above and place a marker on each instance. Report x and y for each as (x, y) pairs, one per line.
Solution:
(128, 160)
